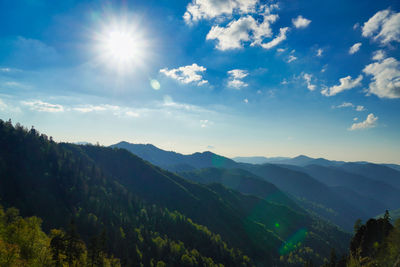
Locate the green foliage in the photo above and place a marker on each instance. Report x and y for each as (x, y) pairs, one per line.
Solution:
(377, 243)
(23, 243)
(109, 215)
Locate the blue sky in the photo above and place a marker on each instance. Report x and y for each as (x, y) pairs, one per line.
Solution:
(237, 77)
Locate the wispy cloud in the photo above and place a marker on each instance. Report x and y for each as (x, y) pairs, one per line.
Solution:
(350, 105)
(319, 52)
(344, 105)
(346, 83)
(291, 58)
(307, 77)
(370, 122)
(41, 106)
(278, 39)
(354, 48)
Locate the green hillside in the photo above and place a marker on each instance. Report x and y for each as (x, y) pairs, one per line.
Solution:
(149, 214)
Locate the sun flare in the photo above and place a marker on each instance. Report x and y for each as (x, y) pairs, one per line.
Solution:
(122, 45)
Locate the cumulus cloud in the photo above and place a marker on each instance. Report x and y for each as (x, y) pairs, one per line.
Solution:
(319, 52)
(41, 106)
(209, 9)
(346, 83)
(385, 78)
(370, 122)
(307, 77)
(301, 22)
(378, 55)
(186, 74)
(238, 32)
(235, 78)
(246, 100)
(383, 27)
(354, 48)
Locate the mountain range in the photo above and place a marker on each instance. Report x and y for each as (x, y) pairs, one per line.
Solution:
(150, 215)
(338, 191)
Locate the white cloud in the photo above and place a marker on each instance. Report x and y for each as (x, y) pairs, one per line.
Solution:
(370, 122)
(385, 78)
(379, 55)
(277, 40)
(237, 84)
(205, 123)
(356, 26)
(93, 108)
(246, 100)
(238, 32)
(280, 50)
(187, 74)
(344, 105)
(346, 83)
(355, 119)
(307, 77)
(236, 76)
(291, 58)
(209, 9)
(360, 108)
(301, 22)
(354, 48)
(384, 27)
(319, 52)
(39, 105)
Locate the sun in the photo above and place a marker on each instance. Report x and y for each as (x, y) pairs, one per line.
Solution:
(121, 44)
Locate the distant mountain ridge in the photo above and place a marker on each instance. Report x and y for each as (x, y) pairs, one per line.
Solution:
(175, 161)
(258, 160)
(331, 197)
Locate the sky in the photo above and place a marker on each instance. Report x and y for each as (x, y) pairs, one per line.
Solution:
(235, 77)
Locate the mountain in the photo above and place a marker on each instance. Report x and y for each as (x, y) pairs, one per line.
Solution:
(385, 195)
(312, 194)
(151, 215)
(304, 160)
(258, 160)
(174, 161)
(375, 172)
(243, 182)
